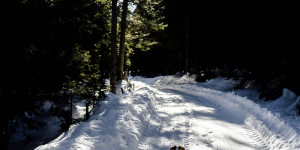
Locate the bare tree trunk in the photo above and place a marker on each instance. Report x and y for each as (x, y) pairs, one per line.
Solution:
(122, 40)
(71, 109)
(113, 79)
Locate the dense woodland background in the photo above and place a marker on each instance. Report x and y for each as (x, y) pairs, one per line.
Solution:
(253, 44)
(56, 48)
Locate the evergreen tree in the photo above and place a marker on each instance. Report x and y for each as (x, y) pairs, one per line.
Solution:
(145, 26)
(122, 40)
(113, 37)
(62, 45)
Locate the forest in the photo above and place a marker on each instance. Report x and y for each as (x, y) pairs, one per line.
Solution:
(57, 49)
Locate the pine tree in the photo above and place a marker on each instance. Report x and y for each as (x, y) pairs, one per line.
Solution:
(122, 40)
(113, 79)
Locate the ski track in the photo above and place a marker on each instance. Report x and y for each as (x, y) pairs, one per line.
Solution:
(195, 123)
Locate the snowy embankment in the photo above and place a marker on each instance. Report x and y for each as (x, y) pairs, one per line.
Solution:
(172, 110)
(116, 123)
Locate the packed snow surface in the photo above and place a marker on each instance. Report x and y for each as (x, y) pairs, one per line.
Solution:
(173, 110)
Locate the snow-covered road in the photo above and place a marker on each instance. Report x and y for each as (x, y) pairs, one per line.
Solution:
(167, 111)
(199, 118)
(196, 123)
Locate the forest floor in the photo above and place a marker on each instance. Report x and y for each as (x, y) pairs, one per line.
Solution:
(175, 110)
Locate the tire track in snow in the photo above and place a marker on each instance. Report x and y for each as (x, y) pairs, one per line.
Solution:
(256, 140)
(161, 132)
(150, 135)
(208, 137)
(187, 129)
(191, 131)
(184, 119)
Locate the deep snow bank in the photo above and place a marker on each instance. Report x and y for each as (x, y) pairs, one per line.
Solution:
(117, 123)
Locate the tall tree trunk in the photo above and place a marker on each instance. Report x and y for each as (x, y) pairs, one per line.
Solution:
(186, 40)
(113, 78)
(122, 40)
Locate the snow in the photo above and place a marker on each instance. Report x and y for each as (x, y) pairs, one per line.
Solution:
(38, 136)
(117, 123)
(79, 109)
(47, 105)
(287, 99)
(175, 110)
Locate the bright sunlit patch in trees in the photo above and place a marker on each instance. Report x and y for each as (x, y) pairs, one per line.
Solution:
(145, 21)
(131, 6)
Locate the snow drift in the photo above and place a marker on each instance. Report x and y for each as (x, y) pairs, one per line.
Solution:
(117, 123)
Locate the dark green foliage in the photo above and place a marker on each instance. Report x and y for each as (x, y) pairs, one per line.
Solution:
(146, 26)
(51, 46)
(54, 48)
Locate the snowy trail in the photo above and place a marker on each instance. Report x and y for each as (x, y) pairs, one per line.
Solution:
(167, 111)
(195, 123)
(201, 118)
